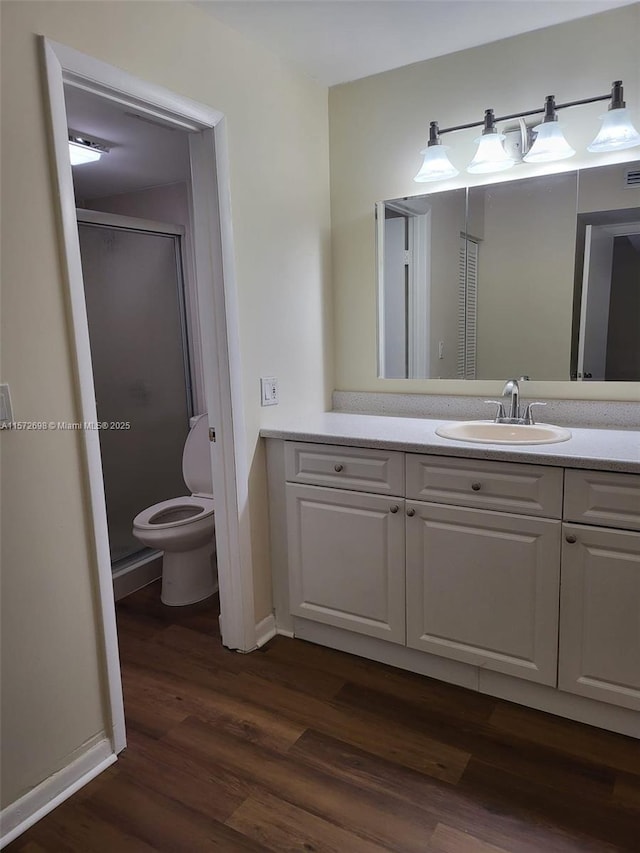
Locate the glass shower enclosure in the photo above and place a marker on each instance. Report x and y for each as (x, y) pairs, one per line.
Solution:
(134, 290)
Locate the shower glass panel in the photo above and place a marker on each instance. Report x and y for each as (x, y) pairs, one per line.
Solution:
(135, 307)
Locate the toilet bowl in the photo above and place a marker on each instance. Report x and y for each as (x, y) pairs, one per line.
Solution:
(183, 527)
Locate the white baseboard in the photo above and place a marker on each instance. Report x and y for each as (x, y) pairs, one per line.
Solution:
(137, 575)
(265, 630)
(286, 633)
(19, 816)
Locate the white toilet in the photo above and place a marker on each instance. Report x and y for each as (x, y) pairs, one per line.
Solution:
(183, 527)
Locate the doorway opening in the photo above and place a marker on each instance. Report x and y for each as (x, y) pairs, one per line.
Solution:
(215, 321)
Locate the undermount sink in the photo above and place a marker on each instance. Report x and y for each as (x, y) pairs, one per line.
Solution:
(489, 432)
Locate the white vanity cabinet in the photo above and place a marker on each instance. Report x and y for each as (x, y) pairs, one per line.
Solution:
(515, 579)
(483, 586)
(346, 545)
(600, 602)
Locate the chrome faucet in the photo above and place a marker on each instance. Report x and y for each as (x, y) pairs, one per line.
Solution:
(511, 390)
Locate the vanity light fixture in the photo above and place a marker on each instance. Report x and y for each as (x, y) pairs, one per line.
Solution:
(436, 165)
(83, 150)
(490, 156)
(550, 143)
(617, 132)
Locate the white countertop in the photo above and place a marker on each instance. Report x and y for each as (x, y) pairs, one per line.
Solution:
(602, 449)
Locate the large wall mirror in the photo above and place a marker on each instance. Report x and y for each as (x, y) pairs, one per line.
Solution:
(536, 277)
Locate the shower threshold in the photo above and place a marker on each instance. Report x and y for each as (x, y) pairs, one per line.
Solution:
(135, 571)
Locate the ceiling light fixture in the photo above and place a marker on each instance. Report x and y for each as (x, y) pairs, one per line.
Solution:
(83, 150)
(617, 132)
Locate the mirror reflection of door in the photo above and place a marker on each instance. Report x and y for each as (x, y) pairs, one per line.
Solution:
(609, 338)
(404, 315)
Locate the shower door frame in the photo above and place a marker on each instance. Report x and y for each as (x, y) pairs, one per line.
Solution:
(122, 222)
(220, 341)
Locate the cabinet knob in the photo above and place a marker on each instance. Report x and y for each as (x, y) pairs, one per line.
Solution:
(337, 467)
(476, 486)
(394, 508)
(571, 538)
(411, 513)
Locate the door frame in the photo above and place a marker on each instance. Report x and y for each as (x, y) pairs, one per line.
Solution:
(219, 329)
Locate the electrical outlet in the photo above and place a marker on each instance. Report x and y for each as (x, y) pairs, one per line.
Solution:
(268, 391)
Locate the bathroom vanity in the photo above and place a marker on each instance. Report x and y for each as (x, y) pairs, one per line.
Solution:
(514, 571)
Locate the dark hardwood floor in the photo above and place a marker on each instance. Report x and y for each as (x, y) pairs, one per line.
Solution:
(301, 748)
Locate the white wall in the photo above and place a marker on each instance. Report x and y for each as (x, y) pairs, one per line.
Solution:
(379, 124)
(278, 141)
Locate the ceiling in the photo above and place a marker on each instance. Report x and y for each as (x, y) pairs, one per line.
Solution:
(142, 153)
(335, 41)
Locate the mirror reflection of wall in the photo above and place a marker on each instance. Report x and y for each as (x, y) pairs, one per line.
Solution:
(537, 277)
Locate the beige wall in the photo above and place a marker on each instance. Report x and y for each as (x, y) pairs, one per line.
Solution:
(525, 278)
(379, 124)
(278, 143)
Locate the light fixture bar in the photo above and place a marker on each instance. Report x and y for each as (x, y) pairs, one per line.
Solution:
(617, 133)
(539, 111)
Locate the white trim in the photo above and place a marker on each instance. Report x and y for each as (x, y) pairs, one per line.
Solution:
(419, 296)
(72, 269)
(380, 219)
(117, 220)
(218, 310)
(220, 338)
(92, 75)
(265, 630)
(34, 805)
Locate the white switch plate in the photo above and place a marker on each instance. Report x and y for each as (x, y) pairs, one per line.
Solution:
(268, 391)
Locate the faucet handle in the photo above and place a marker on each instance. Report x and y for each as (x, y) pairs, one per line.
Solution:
(528, 414)
(500, 412)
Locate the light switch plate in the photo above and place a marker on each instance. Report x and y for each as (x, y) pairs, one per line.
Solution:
(268, 391)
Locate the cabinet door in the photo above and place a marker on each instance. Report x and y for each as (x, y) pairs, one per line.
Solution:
(346, 560)
(483, 587)
(600, 615)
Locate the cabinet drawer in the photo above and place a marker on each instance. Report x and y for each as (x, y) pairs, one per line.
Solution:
(602, 498)
(506, 486)
(355, 468)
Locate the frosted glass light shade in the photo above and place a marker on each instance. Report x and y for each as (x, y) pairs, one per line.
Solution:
(436, 165)
(616, 132)
(80, 154)
(490, 156)
(550, 144)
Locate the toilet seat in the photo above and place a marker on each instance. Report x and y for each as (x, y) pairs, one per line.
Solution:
(168, 515)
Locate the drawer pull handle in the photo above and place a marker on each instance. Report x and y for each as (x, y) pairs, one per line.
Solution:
(476, 486)
(571, 538)
(411, 513)
(338, 467)
(394, 508)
